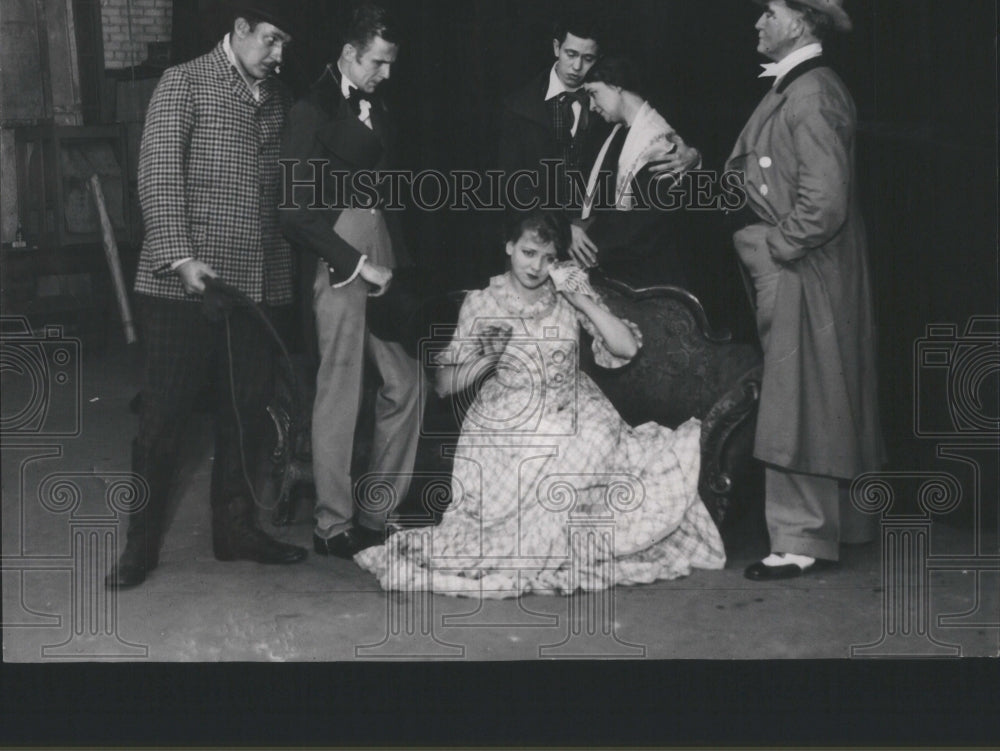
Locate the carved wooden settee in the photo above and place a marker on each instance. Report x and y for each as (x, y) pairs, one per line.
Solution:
(684, 369)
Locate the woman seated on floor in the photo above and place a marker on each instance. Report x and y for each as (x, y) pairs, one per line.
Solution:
(637, 221)
(551, 490)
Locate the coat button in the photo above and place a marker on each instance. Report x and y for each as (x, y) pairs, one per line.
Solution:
(764, 190)
(765, 162)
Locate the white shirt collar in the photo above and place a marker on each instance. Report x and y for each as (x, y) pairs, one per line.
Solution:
(252, 83)
(556, 86)
(346, 86)
(781, 68)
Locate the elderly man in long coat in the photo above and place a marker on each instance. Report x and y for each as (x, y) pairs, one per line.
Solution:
(803, 244)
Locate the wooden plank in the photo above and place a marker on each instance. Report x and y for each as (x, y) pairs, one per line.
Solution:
(114, 262)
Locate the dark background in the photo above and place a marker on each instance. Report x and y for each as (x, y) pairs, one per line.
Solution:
(923, 73)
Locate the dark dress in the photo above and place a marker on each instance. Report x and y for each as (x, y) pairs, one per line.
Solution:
(651, 243)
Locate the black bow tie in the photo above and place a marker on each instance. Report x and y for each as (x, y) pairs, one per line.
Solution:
(580, 95)
(355, 97)
(566, 100)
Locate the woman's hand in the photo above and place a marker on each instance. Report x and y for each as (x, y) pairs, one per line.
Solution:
(569, 277)
(493, 340)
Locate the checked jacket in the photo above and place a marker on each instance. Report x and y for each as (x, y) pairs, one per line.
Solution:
(209, 181)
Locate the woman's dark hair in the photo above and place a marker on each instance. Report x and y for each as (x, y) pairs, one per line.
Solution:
(620, 71)
(547, 226)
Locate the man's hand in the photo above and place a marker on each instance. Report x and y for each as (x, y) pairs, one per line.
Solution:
(582, 248)
(753, 234)
(192, 274)
(378, 276)
(679, 161)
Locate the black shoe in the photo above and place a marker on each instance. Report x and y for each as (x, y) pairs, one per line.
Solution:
(125, 576)
(251, 544)
(759, 572)
(236, 537)
(348, 544)
(131, 569)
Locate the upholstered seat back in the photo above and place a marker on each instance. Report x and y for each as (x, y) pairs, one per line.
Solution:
(683, 367)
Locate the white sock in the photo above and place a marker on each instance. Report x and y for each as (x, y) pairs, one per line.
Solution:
(783, 559)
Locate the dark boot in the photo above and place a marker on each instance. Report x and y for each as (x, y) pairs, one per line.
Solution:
(235, 536)
(145, 525)
(141, 554)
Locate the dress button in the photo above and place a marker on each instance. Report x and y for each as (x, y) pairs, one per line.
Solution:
(765, 162)
(764, 190)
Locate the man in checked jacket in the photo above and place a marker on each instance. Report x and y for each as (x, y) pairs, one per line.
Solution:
(208, 186)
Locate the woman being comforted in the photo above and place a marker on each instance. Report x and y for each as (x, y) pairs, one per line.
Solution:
(642, 231)
(551, 490)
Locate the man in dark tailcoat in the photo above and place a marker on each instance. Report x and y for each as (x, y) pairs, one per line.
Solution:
(349, 245)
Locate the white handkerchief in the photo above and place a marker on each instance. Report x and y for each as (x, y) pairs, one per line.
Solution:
(567, 276)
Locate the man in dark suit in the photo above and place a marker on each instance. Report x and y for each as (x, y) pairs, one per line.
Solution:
(348, 249)
(208, 186)
(549, 119)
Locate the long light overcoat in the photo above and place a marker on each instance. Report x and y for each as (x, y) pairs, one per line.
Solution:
(818, 407)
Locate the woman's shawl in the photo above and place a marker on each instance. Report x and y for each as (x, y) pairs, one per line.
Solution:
(649, 138)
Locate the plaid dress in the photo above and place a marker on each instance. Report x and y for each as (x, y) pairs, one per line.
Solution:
(551, 490)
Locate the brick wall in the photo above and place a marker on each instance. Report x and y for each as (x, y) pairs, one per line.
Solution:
(150, 20)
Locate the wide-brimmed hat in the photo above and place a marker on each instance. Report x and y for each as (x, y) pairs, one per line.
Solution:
(834, 9)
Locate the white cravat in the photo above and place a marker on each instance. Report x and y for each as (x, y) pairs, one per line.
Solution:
(556, 88)
(781, 68)
(365, 113)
